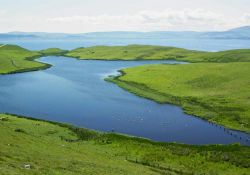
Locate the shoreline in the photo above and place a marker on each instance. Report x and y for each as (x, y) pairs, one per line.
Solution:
(137, 89)
(172, 54)
(59, 148)
(143, 91)
(96, 133)
(173, 100)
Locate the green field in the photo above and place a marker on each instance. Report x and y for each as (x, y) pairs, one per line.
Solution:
(14, 59)
(218, 92)
(147, 52)
(53, 52)
(53, 148)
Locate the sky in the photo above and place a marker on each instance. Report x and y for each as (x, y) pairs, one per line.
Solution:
(80, 16)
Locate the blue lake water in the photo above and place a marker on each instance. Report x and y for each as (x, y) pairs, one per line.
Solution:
(75, 92)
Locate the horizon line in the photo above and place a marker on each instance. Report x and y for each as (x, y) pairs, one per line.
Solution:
(110, 31)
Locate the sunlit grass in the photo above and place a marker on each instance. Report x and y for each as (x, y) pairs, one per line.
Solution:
(218, 92)
(16, 59)
(53, 148)
(147, 52)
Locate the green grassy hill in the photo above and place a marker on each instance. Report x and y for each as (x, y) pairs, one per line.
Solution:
(53, 52)
(15, 59)
(131, 52)
(53, 148)
(218, 92)
(147, 52)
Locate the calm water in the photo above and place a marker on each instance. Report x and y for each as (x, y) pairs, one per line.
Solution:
(74, 91)
(195, 44)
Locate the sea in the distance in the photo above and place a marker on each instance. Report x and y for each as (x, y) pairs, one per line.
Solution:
(193, 44)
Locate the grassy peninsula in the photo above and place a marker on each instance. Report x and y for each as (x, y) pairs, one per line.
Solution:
(30, 146)
(218, 92)
(53, 52)
(15, 59)
(147, 52)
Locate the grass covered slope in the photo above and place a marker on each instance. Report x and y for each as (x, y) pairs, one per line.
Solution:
(53, 52)
(15, 59)
(218, 92)
(147, 52)
(52, 148)
(130, 52)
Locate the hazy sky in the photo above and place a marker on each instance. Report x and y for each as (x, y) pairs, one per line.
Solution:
(77, 16)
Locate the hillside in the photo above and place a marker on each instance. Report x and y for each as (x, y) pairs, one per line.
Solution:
(131, 52)
(235, 33)
(53, 52)
(147, 52)
(15, 59)
(30, 146)
(218, 92)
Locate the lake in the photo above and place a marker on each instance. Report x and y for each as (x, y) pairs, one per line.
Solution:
(74, 91)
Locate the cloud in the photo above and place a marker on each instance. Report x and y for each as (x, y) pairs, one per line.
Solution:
(2, 12)
(186, 15)
(246, 18)
(169, 19)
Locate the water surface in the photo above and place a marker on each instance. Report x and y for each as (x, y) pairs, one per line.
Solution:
(195, 44)
(74, 91)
